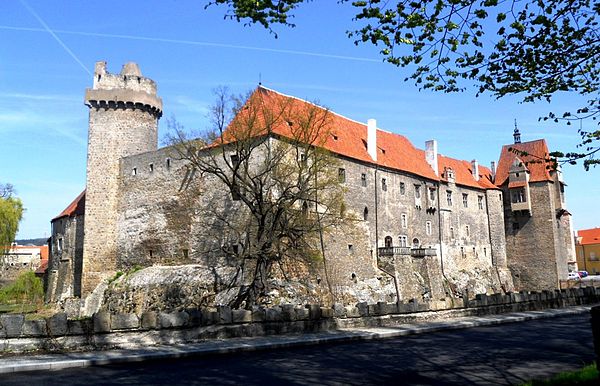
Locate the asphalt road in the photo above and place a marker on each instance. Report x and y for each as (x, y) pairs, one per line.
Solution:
(497, 355)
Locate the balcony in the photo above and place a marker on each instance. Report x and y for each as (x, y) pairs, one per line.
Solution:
(407, 251)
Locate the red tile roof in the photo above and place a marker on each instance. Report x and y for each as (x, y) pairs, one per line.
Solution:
(537, 152)
(348, 138)
(589, 236)
(75, 208)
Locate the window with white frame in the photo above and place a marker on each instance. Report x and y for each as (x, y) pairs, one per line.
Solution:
(384, 184)
(449, 197)
(404, 220)
(431, 194)
(403, 240)
(402, 188)
(480, 202)
(465, 197)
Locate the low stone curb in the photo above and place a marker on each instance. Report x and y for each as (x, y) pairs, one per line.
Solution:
(236, 345)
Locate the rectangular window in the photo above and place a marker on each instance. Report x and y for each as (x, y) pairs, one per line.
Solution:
(428, 227)
(592, 256)
(449, 197)
(431, 194)
(462, 251)
(451, 233)
(302, 159)
(485, 252)
(404, 221)
(60, 244)
(384, 184)
(480, 202)
(350, 248)
(235, 192)
(363, 179)
(168, 162)
(467, 231)
(518, 195)
(403, 241)
(465, 197)
(134, 171)
(151, 167)
(235, 161)
(402, 188)
(185, 253)
(417, 191)
(342, 175)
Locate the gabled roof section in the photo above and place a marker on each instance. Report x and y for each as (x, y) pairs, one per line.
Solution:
(537, 153)
(348, 138)
(75, 208)
(589, 236)
(463, 173)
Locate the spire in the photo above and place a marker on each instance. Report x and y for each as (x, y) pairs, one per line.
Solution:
(517, 134)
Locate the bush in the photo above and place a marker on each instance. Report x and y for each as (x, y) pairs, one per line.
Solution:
(26, 289)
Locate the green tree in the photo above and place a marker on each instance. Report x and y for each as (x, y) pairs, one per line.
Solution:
(11, 212)
(531, 48)
(283, 188)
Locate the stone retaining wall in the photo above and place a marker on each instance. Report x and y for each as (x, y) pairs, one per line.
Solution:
(102, 330)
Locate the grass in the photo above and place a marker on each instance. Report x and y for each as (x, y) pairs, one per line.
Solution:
(588, 375)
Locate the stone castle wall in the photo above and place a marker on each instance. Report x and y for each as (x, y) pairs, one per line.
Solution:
(166, 215)
(63, 278)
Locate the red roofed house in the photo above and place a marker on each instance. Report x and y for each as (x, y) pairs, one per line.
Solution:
(587, 244)
(430, 226)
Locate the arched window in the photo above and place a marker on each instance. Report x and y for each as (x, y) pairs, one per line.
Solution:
(366, 214)
(388, 242)
(416, 243)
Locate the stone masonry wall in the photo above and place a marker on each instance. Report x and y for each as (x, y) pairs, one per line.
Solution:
(104, 329)
(530, 240)
(63, 278)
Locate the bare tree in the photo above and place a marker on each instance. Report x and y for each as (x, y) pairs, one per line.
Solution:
(280, 187)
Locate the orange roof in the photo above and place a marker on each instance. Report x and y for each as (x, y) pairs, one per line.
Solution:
(589, 236)
(463, 173)
(77, 207)
(42, 268)
(517, 184)
(535, 154)
(348, 138)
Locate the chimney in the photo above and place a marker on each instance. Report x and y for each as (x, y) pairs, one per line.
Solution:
(372, 138)
(475, 169)
(493, 169)
(431, 155)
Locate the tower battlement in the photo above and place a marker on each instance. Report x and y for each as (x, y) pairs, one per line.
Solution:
(127, 90)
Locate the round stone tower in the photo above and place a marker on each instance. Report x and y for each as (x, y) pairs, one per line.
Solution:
(124, 113)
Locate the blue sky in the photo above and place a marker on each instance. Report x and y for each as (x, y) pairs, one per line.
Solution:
(49, 49)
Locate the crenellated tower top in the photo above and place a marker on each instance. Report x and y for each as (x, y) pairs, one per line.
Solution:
(126, 90)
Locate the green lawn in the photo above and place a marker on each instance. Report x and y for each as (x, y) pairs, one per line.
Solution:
(585, 376)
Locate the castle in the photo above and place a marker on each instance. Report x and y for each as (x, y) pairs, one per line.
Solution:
(430, 225)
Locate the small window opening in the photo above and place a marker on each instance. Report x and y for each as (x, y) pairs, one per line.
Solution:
(134, 171)
(467, 231)
(151, 167)
(185, 253)
(235, 160)
(428, 228)
(235, 192)
(462, 251)
(404, 220)
(402, 188)
(384, 184)
(417, 191)
(151, 253)
(168, 163)
(465, 200)
(350, 248)
(451, 233)
(416, 243)
(449, 197)
(305, 209)
(480, 202)
(485, 252)
(353, 276)
(342, 175)
(363, 179)
(366, 214)
(335, 137)
(235, 248)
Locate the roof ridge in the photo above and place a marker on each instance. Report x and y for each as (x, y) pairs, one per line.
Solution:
(325, 108)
